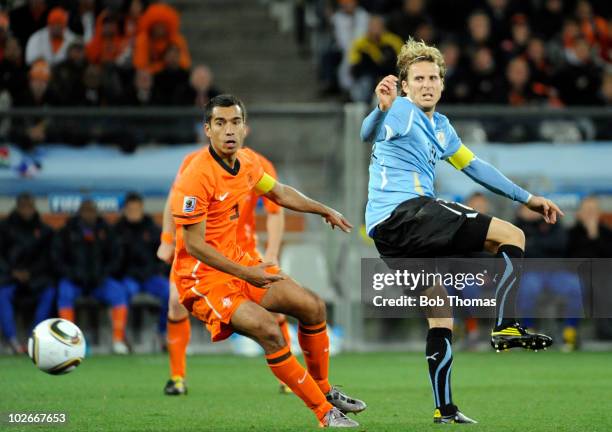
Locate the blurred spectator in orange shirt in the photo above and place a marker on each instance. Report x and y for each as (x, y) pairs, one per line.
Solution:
(107, 45)
(158, 29)
(594, 29)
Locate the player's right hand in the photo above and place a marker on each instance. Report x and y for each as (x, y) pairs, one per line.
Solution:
(546, 208)
(386, 92)
(165, 252)
(337, 219)
(258, 276)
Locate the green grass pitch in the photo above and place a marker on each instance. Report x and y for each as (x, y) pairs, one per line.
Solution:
(514, 391)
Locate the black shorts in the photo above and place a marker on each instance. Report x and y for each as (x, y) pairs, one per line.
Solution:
(426, 227)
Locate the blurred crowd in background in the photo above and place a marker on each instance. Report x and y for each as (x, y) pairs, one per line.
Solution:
(95, 53)
(532, 52)
(108, 53)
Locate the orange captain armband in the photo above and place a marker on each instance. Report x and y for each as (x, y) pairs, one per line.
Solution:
(167, 237)
(265, 184)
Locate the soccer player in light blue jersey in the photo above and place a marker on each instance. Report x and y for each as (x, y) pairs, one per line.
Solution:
(406, 220)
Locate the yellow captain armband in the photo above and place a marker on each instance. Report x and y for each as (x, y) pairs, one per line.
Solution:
(461, 158)
(265, 184)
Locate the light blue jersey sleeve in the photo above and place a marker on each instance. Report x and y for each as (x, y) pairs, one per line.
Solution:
(371, 125)
(384, 125)
(483, 173)
(490, 177)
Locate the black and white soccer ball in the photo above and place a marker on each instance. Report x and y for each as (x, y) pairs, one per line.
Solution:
(56, 346)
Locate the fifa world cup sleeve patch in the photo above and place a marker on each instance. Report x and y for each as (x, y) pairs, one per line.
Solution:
(265, 184)
(461, 158)
(189, 204)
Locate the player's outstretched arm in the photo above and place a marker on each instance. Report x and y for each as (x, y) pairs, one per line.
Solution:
(490, 177)
(194, 236)
(386, 92)
(165, 251)
(292, 199)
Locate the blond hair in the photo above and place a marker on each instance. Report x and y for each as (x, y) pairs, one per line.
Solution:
(413, 52)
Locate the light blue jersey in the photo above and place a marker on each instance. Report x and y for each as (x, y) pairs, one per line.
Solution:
(404, 157)
(407, 147)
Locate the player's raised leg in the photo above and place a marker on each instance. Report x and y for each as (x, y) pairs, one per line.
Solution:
(178, 334)
(508, 243)
(290, 298)
(439, 356)
(254, 321)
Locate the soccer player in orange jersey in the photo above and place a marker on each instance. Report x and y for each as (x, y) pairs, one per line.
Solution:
(179, 329)
(246, 238)
(231, 291)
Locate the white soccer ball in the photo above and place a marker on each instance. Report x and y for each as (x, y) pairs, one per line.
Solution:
(57, 346)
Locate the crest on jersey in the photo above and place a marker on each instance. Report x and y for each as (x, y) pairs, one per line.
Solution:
(441, 138)
(189, 204)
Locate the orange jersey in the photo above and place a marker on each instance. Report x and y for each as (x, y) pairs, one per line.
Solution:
(209, 190)
(246, 235)
(186, 161)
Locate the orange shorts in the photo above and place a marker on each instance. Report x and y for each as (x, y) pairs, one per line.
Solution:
(215, 302)
(255, 254)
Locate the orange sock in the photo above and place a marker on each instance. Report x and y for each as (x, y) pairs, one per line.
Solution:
(179, 333)
(315, 346)
(67, 313)
(119, 320)
(288, 370)
(284, 326)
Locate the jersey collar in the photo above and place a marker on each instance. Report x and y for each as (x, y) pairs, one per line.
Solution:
(233, 171)
(432, 120)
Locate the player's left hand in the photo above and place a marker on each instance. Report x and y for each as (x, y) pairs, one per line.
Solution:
(546, 208)
(336, 219)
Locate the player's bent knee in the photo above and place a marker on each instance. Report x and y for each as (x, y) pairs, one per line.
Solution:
(269, 336)
(502, 232)
(321, 312)
(516, 237)
(315, 310)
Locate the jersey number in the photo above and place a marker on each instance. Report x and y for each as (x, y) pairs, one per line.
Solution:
(236, 214)
(433, 156)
